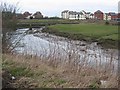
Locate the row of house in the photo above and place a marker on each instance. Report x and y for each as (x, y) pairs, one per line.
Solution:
(76, 15)
(27, 15)
(66, 14)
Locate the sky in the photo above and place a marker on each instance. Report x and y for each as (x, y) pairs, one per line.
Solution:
(55, 7)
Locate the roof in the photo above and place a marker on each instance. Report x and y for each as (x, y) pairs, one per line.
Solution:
(37, 13)
(27, 13)
(88, 13)
(98, 11)
(65, 11)
(83, 11)
(112, 13)
(80, 13)
(91, 14)
(73, 12)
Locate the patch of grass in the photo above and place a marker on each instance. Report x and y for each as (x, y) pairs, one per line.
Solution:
(7, 63)
(20, 71)
(94, 86)
(59, 81)
(87, 32)
(46, 77)
(49, 21)
(113, 37)
(92, 30)
(16, 70)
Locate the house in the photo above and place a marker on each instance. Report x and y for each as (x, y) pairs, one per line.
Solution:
(106, 16)
(81, 15)
(26, 15)
(87, 15)
(113, 15)
(37, 15)
(65, 14)
(91, 16)
(99, 15)
(73, 15)
(110, 16)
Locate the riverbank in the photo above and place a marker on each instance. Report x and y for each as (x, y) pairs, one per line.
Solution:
(32, 72)
(43, 22)
(105, 35)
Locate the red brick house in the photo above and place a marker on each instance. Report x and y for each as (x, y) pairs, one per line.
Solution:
(113, 15)
(99, 15)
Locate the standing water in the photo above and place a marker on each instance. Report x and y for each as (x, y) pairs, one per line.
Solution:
(34, 42)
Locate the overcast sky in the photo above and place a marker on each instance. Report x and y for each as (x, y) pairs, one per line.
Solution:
(55, 7)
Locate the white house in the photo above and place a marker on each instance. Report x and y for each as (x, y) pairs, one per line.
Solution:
(106, 16)
(65, 14)
(81, 16)
(88, 15)
(73, 15)
(76, 15)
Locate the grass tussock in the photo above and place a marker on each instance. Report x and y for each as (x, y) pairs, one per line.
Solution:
(43, 73)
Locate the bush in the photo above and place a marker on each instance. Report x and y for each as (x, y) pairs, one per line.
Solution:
(107, 23)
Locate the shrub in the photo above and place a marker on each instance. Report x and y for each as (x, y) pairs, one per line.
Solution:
(107, 23)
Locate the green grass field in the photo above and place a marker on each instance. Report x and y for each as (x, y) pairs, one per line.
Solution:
(90, 30)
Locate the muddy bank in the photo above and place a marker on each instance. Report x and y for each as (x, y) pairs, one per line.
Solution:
(105, 43)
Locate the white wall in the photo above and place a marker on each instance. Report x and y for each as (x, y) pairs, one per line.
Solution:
(107, 17)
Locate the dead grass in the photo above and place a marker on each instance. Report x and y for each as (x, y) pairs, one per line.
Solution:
(46, 74)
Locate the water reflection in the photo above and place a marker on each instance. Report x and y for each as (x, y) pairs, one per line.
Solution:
(34, 42)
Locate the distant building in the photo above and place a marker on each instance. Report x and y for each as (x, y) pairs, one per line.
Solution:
(66, 14)
(99, 15)
(110, 16)
(81, 16)
(27, 15)
(118, 15)
(113, 15)
(73, 15)
(91, 16)
(106, 16)
(37, 15)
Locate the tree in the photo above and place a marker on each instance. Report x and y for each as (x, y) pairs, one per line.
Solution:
(9, 22)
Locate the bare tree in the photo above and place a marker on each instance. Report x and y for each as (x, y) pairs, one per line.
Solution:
(9, 22)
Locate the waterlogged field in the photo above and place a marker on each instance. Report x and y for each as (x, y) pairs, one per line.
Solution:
(91, 30)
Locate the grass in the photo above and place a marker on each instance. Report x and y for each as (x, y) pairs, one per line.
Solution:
(44, 75)
(43, 22)
(91, 30)
(16, 70)
(48, 21)
(105, 35)
(113, 37)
